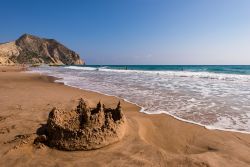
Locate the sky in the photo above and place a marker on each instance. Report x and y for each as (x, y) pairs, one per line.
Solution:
(137, 31)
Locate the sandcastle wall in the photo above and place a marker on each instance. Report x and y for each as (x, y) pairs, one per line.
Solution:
(85, 128)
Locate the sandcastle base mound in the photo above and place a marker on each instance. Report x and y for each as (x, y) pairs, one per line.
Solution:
(85, 128)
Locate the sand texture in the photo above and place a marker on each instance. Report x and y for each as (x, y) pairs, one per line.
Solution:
(149, 140)
(83, 128)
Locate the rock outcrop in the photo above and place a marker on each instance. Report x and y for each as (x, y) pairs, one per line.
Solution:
(84, 128)
(29, 49)
(7, 50)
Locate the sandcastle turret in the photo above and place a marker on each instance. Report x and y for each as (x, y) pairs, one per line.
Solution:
(118, 105)
(84, 112)
(85, 128)
(82, 106)
(119, 111)
(99, 105)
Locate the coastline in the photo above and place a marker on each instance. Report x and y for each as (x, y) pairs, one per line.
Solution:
(151, 140)
(142, 110)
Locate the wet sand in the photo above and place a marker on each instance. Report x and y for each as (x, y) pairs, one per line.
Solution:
(150, 140)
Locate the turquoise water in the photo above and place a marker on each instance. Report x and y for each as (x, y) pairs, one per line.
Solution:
(225, 69)
(213, 96)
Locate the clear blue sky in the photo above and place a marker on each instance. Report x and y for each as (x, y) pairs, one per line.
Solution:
(137, 31)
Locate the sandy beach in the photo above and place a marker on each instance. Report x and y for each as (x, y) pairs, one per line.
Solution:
(150, 140)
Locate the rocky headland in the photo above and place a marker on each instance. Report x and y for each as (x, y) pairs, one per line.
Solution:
(30, 49)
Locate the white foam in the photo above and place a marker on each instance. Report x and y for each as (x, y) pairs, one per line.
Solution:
(192, 74)
(195, 123)
(157, 112)
(81, 68)
(180, 97)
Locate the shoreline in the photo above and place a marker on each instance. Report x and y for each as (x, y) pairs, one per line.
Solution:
(60, 80)
(150, 140)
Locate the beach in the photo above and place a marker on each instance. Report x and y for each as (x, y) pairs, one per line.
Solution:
(150, 140)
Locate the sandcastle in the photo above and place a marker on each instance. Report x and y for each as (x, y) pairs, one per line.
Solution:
(84, 128)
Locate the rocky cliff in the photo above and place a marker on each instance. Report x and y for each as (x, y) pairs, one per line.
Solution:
(29, 49)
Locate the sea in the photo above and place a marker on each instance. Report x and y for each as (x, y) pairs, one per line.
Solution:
(214, 96)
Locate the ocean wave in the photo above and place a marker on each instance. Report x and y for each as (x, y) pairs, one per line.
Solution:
(81, 68)
(192, 74)
(214, 103)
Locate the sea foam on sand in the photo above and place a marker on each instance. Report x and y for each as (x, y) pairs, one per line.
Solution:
(218, 101)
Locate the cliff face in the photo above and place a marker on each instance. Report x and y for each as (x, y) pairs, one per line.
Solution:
(29, 49)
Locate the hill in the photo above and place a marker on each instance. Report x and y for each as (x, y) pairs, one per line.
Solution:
(30, 49)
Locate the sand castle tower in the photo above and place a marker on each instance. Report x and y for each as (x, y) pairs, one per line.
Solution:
(85, 128)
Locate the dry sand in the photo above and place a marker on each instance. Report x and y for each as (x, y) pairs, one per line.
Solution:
(150, 140)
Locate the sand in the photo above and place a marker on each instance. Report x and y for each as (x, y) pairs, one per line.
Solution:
(83, 128)
(150, 140)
